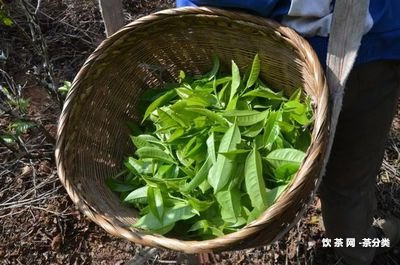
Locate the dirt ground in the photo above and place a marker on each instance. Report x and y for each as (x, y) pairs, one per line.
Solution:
(38, 222)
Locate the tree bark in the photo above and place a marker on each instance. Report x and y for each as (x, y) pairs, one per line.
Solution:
(111, 11)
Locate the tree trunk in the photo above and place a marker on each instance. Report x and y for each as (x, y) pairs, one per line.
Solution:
(111, 10)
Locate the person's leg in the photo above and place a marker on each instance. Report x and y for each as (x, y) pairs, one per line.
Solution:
(347, 190)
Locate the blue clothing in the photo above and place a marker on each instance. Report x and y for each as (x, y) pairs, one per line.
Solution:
(311, 18)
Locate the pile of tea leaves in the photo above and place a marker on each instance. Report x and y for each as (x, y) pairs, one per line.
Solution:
(213, 152)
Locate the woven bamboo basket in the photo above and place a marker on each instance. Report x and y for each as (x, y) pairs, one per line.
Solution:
(93, 137)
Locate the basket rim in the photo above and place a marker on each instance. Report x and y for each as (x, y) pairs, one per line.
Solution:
(229, 241)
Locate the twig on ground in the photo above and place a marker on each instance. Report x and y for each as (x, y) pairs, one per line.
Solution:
(38, 7)
(11, 213)
(52, 212)
(33, 177)
(84, 32)
(144, 255)
(51, 179)
(19, 204)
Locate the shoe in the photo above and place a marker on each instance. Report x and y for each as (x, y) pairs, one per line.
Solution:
(387, 228)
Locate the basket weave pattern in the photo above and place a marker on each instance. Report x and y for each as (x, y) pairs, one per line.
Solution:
(93, 137)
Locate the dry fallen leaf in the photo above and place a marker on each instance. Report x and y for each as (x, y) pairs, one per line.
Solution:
(26, 170)
(56, 242)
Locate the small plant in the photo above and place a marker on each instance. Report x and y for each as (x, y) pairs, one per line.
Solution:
(65, 87)
(19, 125)
(16, 108)
(5, 19)
(214, 153)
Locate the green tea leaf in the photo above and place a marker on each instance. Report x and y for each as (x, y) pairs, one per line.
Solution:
(183, 92)
(295, 106)
(171, 216)
(173, 173)
(185, 162)
(182, 76)
(254, 214)
(207, 229)
(273, 195)
(299, 111)
(238, 176)
(198, 101)
(155, 153)
(246, 117)
(285, 172)
(164, 183)
(221, 171)
(211, 148)
(216, 232)
(255, 71)
(140, 193)
(223, 95)
(221, 81)
(118, 186)
(156, 202)
(285, 155)
(138, 167)
(240, 222)
(210, 114)
(303, 141)
(255, 129)
(235, 80)
(229, 200)
(302, 119)
(201, 122)
(286, 127)
(175, 135)
(165, 119)
(145, 140)
(199, 225)
(232, 103)
(272, 129)
(264, 93)
(243, 105)
(181, 118)
(254, 180)
(233, 154)
(215, 68)
(199, 205)
(200, 176)
(204, 186)
(296, 95)
(164, 169)
(165, 98)
(188, 146)
(197, 149)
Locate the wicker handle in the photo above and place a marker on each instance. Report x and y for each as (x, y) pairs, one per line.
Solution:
(345, 39)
